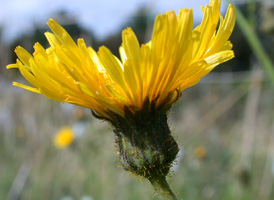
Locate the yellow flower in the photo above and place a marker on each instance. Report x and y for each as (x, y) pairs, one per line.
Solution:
(135, 92)
(64, 137)
(176, 58)
(200, 152)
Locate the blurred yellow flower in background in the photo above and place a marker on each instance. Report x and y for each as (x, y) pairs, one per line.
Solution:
(200, 152)
(177, 57)
(64, 137)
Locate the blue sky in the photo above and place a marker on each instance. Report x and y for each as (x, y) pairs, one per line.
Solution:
(102, 17)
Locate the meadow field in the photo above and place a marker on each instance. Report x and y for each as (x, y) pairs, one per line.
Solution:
(223, 125)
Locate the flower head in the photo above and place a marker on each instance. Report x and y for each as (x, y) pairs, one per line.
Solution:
(64, 137)
(200, 152)
(176, 58)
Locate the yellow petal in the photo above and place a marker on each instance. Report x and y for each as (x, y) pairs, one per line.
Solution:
(26, 87)
(62, 35)
(11, 66)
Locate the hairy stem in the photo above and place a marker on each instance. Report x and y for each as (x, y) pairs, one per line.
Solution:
(162, 188)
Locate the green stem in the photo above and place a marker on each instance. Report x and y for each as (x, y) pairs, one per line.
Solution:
(162, 188)
(255, 44)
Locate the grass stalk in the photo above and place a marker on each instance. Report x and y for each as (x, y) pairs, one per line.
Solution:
(255, 44)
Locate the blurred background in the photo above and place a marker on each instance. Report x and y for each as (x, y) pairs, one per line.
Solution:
(224, 125)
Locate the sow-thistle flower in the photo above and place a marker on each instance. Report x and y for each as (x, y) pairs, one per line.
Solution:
(133, 93)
